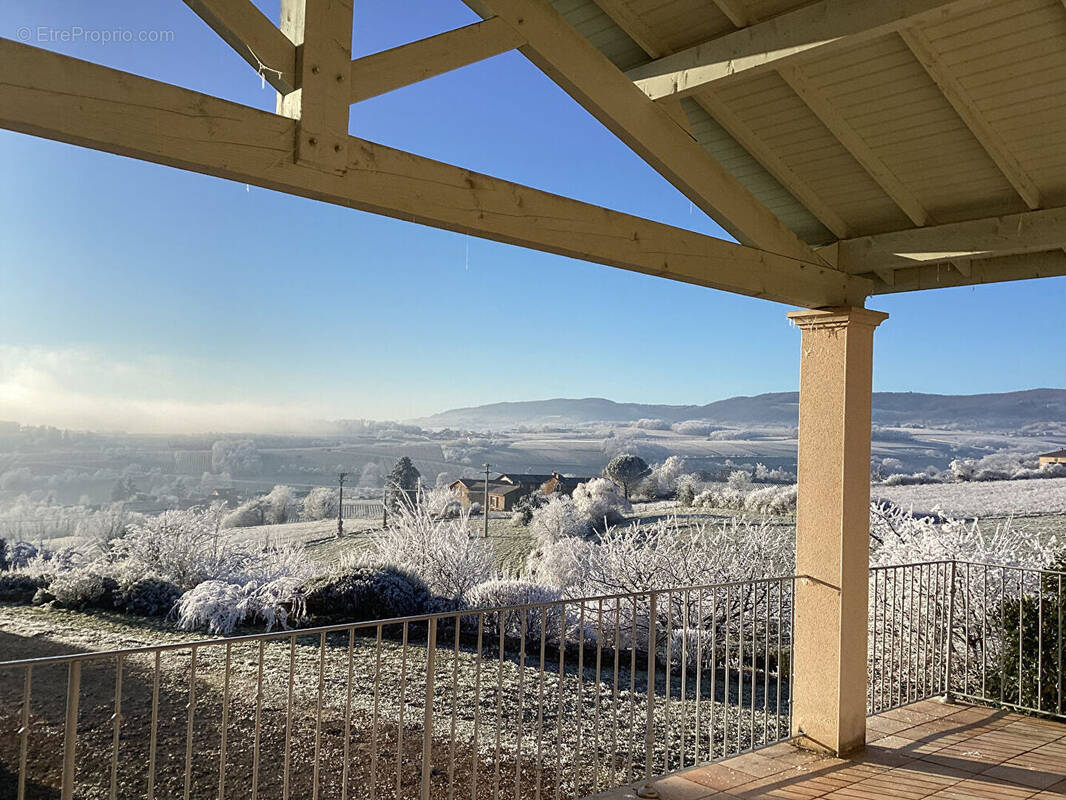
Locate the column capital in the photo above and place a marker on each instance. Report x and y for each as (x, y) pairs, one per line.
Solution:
(836, 317)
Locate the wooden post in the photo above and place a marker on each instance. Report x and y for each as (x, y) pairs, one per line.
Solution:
(322, 29)
(833, 528)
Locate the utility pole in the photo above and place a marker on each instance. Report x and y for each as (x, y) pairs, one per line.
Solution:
(340, 504)
(485, 507)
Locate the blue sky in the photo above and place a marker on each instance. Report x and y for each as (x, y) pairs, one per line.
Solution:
(141, 297)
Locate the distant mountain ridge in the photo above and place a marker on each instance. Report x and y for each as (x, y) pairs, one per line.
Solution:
(1006, 410)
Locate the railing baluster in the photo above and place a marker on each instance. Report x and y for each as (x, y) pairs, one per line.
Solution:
(24, 730)
(540, 701)
(427, 732)
(475, 766)
(190, 721)
(376, 716)
(116, 726)
(347, 745)
(70, 729)
(224, 731)
(318, 713)
(290, 702)
(455, 708)
(258, 723)
(403, 708)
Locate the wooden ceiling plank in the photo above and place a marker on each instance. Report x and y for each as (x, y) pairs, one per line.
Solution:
(1029, 231)
(812, 30)
(841, 129)
(955, 93)
(569, 59)
(633, 26)
(58, 97)
(765, 155)
(1020, 267)
(254, 37)
(401, 66)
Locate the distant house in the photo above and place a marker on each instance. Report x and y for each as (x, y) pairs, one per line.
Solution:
(507, 489)
(1057, 457)
(503, 495)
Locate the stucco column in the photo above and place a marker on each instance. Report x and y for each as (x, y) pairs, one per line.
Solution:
(833, 527)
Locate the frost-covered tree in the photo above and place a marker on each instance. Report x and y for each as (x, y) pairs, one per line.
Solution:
(236, 457)
(320, 503)
(558, 518)
(440, 551)
(626, 470)
(403, 483)
(600, 503)
(663, 479)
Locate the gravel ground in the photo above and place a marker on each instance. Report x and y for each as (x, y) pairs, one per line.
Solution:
(499, 726)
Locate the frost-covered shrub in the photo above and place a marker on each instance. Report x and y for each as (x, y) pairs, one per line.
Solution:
(85, 587)
(219, 607)
(739, 481)
(365, 592)
(16, 587)
(442, 503)
(558, 518)
(672, 552)
(560, 563)
(503, 593)
(20, 554)
(600, 502)
(686, 493)
(190, 547)
(442, 552)
(771, 500)
(150, 597)
(652, 425)
(320, 503)
(899, 537)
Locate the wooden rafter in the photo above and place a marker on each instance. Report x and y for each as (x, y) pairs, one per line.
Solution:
(842, 130)
(765, 155)
(591, 79)
(255, 38)
(955, 93)
(812, 30)
(1030, 231)
(1025, 266)
(735, 11)
(58, 97)
(410, 63)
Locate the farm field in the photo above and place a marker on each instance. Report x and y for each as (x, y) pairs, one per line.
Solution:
(981, 498)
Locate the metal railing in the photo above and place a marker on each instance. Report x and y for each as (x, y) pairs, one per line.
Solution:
(978, 632)
(553, 700)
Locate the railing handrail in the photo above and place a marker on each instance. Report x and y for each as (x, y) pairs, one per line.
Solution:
(380, 623)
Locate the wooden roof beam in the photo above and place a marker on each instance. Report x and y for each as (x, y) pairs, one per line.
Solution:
(255, 38)
(955, 93)
(841, 129)
(401, 66)
(57, 97)
(805, 32)
(574, 63)
(1029, 231)
(1021, 267)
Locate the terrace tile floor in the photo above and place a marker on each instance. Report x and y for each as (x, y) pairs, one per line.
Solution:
(925, 750)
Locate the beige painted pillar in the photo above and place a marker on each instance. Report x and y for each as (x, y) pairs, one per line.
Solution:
(833, 527)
